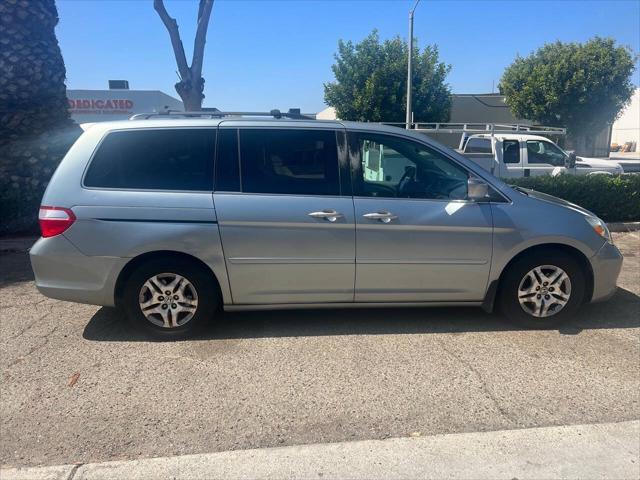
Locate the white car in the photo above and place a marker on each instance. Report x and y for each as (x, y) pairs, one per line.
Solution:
(590, 166)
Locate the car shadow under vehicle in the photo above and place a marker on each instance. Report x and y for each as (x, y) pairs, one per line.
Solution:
(109, 324)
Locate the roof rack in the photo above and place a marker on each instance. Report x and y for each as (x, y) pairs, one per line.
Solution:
(470, 128)
(479, 127)
(293, 113)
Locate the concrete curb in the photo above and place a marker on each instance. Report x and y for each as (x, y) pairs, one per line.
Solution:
(610, 450)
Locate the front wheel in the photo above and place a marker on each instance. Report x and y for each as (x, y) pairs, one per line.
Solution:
(542, 289)
(170, 298)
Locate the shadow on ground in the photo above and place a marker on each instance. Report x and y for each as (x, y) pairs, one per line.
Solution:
(622, 311)
(14, 268)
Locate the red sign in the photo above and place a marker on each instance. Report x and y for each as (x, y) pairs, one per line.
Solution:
(100, 106)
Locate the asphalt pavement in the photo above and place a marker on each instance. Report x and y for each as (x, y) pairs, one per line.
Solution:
(79, 385)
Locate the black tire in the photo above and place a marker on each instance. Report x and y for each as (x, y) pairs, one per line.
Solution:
(208, 301)
(509, 304)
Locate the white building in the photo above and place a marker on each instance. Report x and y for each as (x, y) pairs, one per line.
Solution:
(627, 127)
(328, 113)
(88, 106)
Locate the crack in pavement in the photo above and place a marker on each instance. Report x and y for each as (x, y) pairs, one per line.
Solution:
(36, 347)
(483, 384)
(43, 299)
(32, 323)
(27, 304)
(73, 471)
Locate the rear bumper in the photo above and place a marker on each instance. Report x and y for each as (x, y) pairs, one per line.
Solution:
(606, 265)
(63, 272)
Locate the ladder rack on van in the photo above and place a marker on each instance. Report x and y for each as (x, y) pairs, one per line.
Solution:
(293, 113)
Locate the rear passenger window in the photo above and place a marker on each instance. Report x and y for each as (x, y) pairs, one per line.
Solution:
(295, 162)
(511, 151)
(478, 145)
(178, 159)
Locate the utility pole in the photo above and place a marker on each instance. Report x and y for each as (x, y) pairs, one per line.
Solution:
(409, 120)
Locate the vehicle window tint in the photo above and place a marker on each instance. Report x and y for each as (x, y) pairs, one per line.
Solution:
(544, 152)
(398, 168)
(478, 145)
(227, 161)
(296, 162)
(511, 151)
(178, 159)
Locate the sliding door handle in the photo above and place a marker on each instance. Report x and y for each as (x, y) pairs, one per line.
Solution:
(384, 217)
(329, 215)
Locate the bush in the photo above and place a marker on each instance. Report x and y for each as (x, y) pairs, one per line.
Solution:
(612, 198)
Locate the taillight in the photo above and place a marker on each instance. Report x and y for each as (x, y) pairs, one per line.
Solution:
(55, 220)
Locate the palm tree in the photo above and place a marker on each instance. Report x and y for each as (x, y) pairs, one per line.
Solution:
(32, 73)
(35, 127)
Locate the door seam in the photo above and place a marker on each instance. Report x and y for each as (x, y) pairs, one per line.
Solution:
(224, 256)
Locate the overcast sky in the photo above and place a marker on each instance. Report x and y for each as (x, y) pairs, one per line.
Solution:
(264, 54)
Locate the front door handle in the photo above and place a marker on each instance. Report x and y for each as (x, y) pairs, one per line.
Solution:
(330, 215)
(384, 217)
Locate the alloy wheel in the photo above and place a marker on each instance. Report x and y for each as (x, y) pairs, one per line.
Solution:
(544, 291)
(168, 300)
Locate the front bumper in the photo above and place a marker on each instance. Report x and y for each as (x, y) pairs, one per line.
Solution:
(606, 265)
(63, 272)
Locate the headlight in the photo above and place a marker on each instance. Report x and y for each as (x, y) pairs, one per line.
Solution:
(599, 227)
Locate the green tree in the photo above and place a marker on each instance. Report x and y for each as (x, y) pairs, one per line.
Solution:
(580, 86)
(371, 82)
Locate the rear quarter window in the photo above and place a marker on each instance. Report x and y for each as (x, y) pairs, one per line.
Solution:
(163, 159)
(478, 145)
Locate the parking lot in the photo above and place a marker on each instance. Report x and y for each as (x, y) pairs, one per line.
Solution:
(79, 385)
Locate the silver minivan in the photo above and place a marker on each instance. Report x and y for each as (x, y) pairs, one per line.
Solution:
(173, 219)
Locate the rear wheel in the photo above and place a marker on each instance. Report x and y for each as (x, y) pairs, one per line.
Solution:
(170, 298)
(542, 289)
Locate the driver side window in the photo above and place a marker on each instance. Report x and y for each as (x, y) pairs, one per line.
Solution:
(544, 152)
(392, 167)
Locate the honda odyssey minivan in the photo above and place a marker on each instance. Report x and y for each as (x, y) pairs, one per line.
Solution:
(173, 219)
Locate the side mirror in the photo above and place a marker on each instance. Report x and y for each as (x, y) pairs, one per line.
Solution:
(477, 190)
(570, 161)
